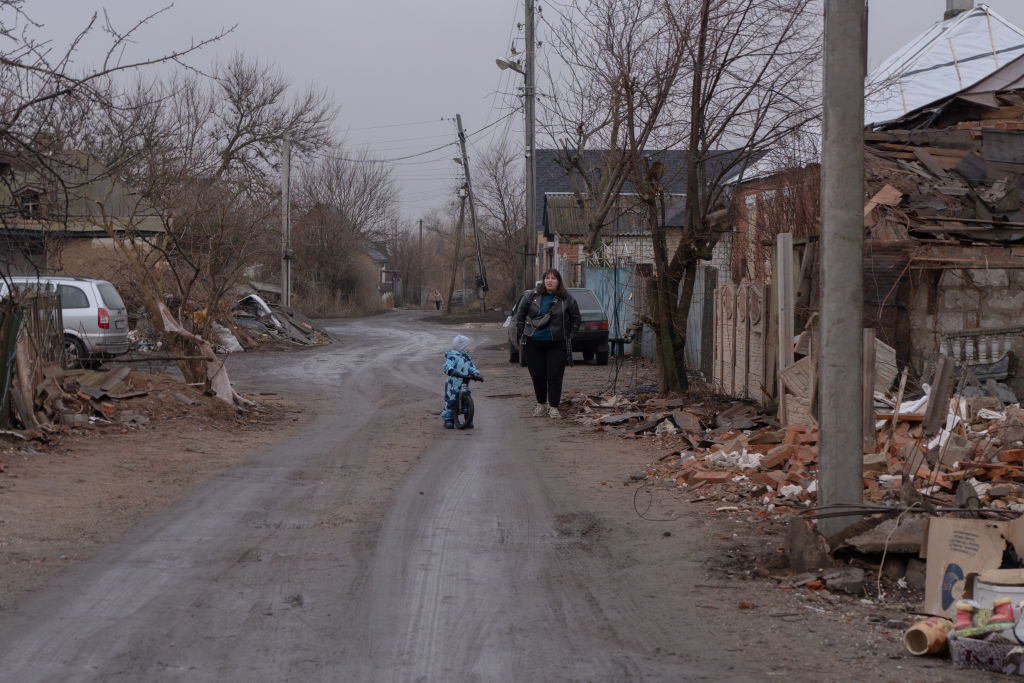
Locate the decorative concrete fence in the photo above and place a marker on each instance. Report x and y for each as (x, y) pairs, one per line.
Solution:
(741, 323)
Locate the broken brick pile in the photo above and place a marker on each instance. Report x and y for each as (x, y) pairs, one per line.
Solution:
(733, 448)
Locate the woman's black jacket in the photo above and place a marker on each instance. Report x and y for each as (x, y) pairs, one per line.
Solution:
(565, 315)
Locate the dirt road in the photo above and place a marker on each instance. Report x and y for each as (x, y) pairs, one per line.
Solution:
(374, 545)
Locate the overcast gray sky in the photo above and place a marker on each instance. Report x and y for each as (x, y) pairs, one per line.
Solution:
(399, 69)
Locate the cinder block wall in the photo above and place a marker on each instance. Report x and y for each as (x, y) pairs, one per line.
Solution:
(966, 299)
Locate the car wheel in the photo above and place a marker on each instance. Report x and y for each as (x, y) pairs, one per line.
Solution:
(74, 353)
(602, 358)
(513, 353)
(588, 355)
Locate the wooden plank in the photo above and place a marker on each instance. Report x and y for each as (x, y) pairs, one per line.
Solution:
(938, 401)
(784, 279)
(900, 417)
(888, 195)
(925, 158)
(868, 384)
(956, 256)
(885, 366)
(895, 414)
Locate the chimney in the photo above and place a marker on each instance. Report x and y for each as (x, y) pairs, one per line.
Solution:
(955, 7)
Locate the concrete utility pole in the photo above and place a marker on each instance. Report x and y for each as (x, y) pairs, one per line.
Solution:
(532, 271)
(286, 223)
(842, 262)
(481, 273)
(458, 253)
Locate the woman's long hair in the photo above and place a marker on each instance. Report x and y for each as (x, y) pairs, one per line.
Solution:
(562, 293)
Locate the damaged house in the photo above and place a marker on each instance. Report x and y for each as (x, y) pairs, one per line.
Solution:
(66, 218)
(943, 265)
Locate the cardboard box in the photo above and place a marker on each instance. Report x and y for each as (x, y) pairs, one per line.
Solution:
(955, 549)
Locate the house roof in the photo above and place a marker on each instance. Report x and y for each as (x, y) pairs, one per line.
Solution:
(553, 181)
(564, 216)
(946, 58)
(985, 101)
(552, 176)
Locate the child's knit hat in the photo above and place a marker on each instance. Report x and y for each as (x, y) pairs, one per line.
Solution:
(460, 343)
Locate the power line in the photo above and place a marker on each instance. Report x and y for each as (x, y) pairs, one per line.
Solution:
(417, 154)
(397, 125)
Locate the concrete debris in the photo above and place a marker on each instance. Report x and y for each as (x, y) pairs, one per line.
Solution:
(980, 441)
(806, 549)
(848, 580)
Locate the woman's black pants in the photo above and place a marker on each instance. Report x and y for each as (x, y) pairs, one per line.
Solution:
(546, 362)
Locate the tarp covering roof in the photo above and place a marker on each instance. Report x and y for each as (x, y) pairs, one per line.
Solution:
(948, 57)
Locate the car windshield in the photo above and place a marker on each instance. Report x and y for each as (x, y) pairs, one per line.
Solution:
(586, 300)
(111, 299)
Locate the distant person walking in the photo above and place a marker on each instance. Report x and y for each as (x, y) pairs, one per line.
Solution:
(437, 298)
(547, 319)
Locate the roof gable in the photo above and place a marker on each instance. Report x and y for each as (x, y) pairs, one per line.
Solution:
(949, 56)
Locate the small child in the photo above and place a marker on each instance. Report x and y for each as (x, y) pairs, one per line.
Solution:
(457, 364)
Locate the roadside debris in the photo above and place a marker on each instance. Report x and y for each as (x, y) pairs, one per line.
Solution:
(259, 322)
(945, 482)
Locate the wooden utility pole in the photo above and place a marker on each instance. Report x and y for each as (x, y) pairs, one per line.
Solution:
(458, 254)
(481, 274)
(286, 227)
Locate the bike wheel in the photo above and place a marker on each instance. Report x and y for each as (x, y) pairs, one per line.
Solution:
(463, 410)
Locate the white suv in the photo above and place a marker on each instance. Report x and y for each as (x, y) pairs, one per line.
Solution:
(95, 318)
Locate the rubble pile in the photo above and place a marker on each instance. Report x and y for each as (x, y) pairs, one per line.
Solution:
(259, 322)
(739, 453)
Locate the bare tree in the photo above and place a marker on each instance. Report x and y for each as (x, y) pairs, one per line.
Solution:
(201, 156)
(44, 100)
(724, 80)
(343, 206)
(501, 213)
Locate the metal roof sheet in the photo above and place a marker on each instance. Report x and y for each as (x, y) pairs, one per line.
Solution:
(949, 56)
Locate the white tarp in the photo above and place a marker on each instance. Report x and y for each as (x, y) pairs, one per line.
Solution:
(945, 59)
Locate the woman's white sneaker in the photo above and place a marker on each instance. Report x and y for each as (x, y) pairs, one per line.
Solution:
(553, 412)
(540, 411)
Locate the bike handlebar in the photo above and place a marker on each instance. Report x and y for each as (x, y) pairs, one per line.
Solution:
(478, 377)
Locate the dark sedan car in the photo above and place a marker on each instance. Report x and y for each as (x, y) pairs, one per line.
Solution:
(592, 338)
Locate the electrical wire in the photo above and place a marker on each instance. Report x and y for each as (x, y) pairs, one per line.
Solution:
(396, 125)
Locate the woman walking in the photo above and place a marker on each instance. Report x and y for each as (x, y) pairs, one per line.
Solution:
(546, 320)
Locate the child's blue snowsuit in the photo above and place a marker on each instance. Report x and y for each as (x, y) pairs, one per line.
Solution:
(461, 363)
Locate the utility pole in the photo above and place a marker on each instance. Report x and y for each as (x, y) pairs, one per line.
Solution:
(458, 253)
(529, 97)
(421, 288)
(481, 274)
(842, 256)
(286, 226)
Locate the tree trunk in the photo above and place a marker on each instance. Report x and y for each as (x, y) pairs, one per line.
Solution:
(663, 303)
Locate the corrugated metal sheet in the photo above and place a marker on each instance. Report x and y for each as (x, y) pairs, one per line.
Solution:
(700, 338)
(616, 290)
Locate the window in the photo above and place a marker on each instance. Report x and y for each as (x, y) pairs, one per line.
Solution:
(111, 299)
(72, 297)
(29, 204)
